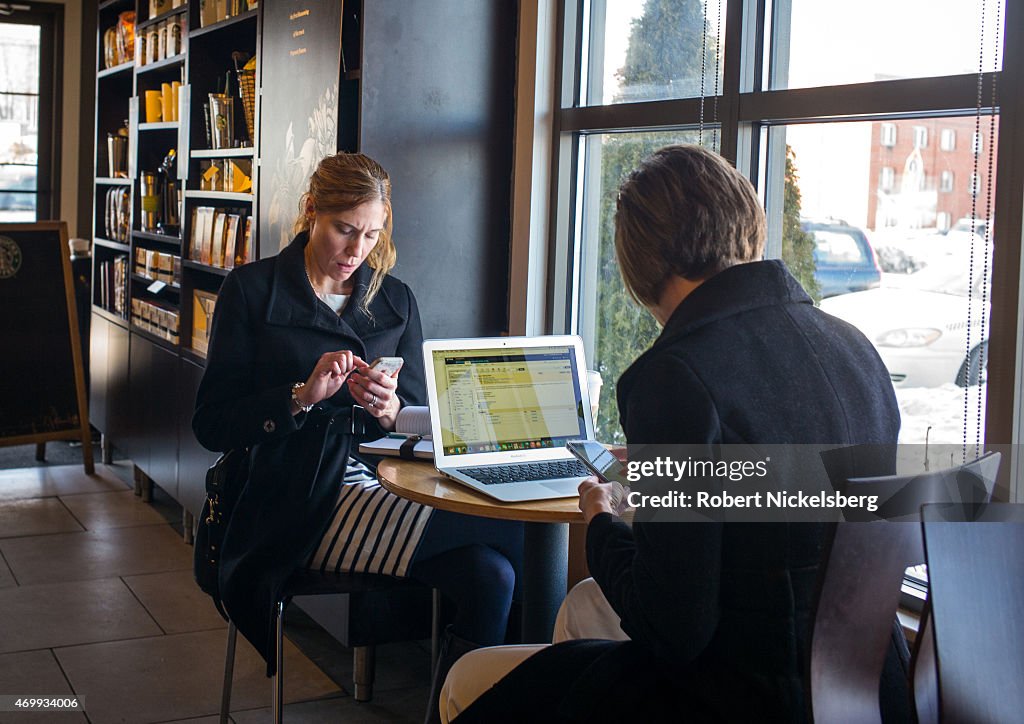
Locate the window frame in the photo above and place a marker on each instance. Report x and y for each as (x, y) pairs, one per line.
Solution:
(887, 135)
(947, 139)
(887, 178)
(747, 109)
(50, 19)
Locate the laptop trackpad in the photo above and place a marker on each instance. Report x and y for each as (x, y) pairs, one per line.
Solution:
(563, 487)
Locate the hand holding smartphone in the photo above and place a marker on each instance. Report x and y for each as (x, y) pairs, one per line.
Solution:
(598, 460)
(387, 365)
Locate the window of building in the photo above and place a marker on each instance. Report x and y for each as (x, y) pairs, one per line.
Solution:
(887, 178)
(28, 109)
(974, 186)
(629, 83)
(888, 134)
(977, 143)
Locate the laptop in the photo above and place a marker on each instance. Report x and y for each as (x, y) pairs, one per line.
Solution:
(502, 409)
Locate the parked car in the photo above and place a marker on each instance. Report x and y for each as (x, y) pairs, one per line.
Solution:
(920, 326)
(843, 258)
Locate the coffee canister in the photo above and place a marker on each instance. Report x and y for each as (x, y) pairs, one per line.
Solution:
(152, 44)
(173, 37)
(150, 201)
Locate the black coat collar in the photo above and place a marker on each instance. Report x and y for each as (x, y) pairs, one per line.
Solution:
(293, 302)
(737, 289)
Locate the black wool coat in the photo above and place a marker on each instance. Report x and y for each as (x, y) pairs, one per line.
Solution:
(269, 329)
(718, 614)
(745, 358)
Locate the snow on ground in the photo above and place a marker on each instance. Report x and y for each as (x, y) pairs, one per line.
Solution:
(936, 415)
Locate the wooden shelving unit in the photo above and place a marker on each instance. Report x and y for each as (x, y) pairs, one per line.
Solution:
(143, 385)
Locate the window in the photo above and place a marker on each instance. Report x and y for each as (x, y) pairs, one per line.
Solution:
(630, 55)
(887, 178)
(28, 169)
(977, 142)
(854, 202)
(974, 186)
(888, 134)
(834, 43)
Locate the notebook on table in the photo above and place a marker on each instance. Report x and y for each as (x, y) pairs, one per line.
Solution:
(502, 409)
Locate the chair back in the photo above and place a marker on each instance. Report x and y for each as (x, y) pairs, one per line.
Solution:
(976, 580)
(862, 580)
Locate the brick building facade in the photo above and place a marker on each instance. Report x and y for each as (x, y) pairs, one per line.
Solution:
(922, 172)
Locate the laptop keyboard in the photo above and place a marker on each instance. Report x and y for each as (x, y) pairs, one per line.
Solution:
(526, 472)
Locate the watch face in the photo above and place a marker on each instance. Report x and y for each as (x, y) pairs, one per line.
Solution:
(10, 257)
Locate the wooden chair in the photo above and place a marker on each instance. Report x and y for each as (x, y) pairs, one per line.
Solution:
(861, 583)
(374, 624)
(976, 584)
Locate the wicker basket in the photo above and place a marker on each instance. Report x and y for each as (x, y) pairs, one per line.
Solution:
(247, 91)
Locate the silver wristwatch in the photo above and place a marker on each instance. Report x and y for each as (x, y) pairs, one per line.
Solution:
(295, 398)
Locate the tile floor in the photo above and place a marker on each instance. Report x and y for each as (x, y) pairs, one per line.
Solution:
(98, 600)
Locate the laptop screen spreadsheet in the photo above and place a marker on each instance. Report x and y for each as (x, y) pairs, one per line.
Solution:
(493, 400)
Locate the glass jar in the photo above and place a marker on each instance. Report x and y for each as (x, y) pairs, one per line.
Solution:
(126, 36)
(111, 56)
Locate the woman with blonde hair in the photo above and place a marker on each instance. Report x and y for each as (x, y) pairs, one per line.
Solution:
(288, 377)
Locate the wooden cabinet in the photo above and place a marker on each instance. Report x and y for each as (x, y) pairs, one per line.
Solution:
(193, 458)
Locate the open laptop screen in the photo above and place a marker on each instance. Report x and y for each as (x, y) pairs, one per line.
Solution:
(495, 400)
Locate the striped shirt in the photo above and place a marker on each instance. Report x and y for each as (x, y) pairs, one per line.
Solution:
(372, 530)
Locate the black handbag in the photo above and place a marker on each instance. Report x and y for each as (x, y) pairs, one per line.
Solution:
(225, 481)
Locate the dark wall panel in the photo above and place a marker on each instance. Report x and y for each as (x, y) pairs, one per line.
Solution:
(437, 111)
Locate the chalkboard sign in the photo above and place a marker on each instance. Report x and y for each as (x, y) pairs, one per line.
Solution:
(42, 383)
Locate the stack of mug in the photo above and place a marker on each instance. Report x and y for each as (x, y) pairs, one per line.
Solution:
(162, 105)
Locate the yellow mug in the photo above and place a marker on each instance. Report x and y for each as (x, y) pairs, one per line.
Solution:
(174, 99)
(167, 101)
(154, 106)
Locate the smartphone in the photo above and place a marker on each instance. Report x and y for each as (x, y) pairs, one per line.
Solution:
(599, 461)
(387, 365)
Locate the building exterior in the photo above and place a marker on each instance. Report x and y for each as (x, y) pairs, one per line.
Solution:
(927, 172)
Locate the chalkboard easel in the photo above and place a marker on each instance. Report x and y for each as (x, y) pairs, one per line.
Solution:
(42, 380)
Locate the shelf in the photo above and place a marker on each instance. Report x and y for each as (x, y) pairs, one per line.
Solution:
(176, 288)
(161, 126)
(199, 266)
(165, 63)
(110, 244)
(110, 316)
(160, 341)
(113, 3)
(224, 195)
(163, 16)
(192, 356)
(223, 152)
(151, 236)
(115, 70)
(108, 181)
(247, 15)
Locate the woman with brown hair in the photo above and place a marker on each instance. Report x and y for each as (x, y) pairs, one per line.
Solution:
(288, 377)
(716, 615)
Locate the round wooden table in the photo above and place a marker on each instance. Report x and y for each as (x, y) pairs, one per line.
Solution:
(545, 533)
